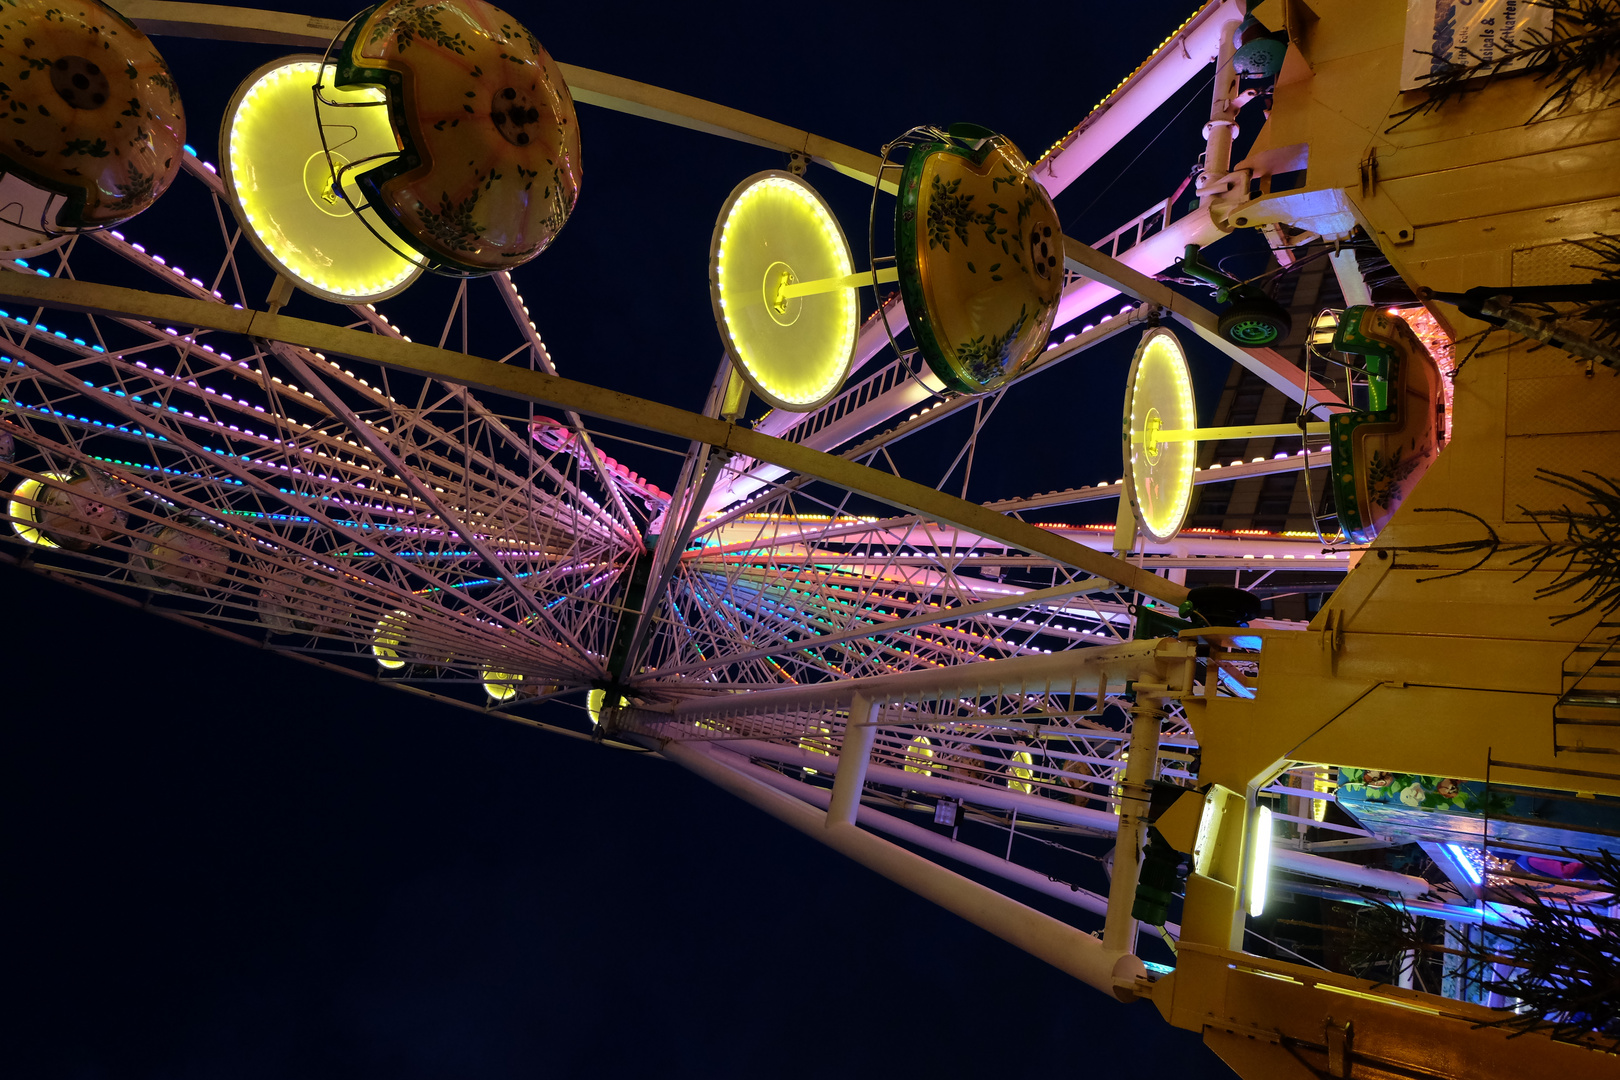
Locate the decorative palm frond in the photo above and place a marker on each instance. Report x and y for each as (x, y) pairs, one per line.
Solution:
(1587, 557)
(1604, 314)
(1562, 964)
(1558, 966)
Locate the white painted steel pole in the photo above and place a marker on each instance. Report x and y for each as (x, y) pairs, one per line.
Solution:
(859, 732)
(1101, 822)
(1347, 873)
(1059, 944)
(916, 835)
(1172, 66)
(1351, 282)
(1221, 132)
(1119, 928)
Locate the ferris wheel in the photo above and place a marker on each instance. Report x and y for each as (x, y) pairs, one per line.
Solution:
(466, 545)
(300, 486)
(787, 591)
(457, 528)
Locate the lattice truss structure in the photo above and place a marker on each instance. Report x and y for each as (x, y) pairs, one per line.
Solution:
(483, 552)
(255, 484)
(986, 747)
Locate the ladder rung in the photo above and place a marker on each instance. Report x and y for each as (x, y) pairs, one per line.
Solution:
(1590, 698)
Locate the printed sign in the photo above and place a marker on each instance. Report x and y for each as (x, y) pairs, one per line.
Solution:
(1444, 32)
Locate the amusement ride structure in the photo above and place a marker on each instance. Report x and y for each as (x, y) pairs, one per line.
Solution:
(870, 658)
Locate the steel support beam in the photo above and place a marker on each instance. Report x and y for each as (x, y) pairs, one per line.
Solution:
(1040, 808)
(1270, 365)
(859, 733)
(1033, 597)
(218, 23)
(1084, 671)
(1141, 769)
(1174, 64)
(1059, 944)
(520, 315)
(67, 295)
(453, 524)
(871, 817)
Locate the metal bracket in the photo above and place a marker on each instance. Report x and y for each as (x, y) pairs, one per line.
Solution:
(1340, 1040)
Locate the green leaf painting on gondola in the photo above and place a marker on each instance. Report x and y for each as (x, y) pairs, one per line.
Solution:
(986, 361)
(452, 224)
(950, 213)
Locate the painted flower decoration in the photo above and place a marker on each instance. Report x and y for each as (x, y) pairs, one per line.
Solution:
(92, 115)
(489, 163)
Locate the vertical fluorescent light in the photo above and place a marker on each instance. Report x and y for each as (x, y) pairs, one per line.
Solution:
(1260, 861)
(1460, 854)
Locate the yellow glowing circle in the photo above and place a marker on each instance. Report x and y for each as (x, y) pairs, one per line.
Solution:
(385, 642)
(25, 518)
(1021, 768)
(501, 686)
(280, 186)
(775, 230)
(594, 701)
(1159, 397)
(920, 751)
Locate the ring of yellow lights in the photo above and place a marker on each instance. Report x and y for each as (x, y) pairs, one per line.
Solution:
(23, 509)
(1159, 396)
(386, 641)
(274, 167)
(774, 229)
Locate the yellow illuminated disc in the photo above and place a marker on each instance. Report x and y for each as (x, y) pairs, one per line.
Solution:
(775, 230)
(501, 685)
(281, 184)
(1159, 397)
(385, 642)
(25, 518)
(596, 701)
(919, 756)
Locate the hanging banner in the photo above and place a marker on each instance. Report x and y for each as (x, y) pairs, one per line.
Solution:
(1440, 33)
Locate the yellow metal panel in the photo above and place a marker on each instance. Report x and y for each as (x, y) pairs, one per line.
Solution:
(1340, 30)
(1561, 398)
(1390, 1031)
(1489, 135)
(1505, 628)
(1506, 185)
(1179, 824)
(1210, 914)
(1254, 1055)
(1574, 455)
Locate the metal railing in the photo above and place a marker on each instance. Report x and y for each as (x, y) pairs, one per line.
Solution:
(878, 383)
(1590, 699)
(1155, 219)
